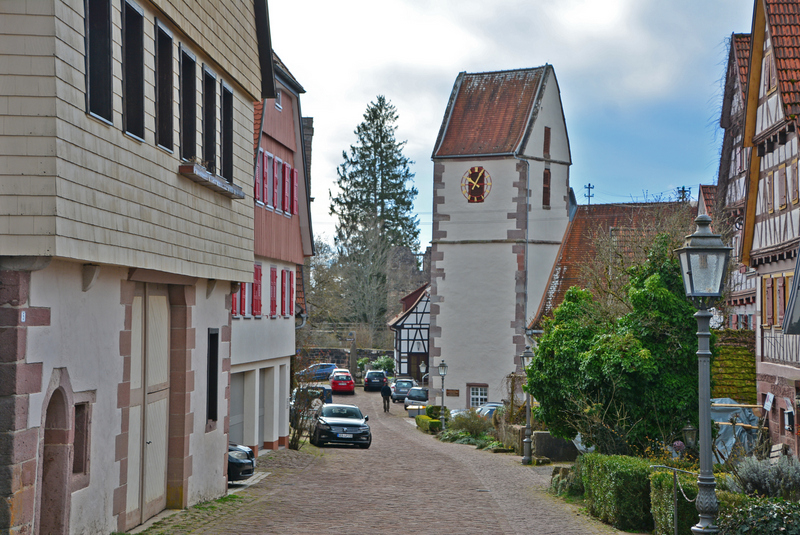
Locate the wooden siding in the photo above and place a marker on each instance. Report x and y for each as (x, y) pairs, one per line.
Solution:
(277, 236)
(280, 124)
(75, 187)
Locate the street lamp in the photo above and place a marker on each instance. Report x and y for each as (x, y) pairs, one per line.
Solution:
(526, 358)
(422, 368)
(704, 263)
(442, 372)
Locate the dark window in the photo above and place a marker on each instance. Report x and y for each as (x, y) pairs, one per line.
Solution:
(188, 106)
(546, 147)
(546, 188)
(164, 83)
(80, 463)
(133, 71)
(212, 375)
(98, 59)
(209, 120)
(227, 134)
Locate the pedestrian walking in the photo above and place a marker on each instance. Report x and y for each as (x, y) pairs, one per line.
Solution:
(386, 393)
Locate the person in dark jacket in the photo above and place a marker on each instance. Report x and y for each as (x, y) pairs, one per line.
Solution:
(386, 393)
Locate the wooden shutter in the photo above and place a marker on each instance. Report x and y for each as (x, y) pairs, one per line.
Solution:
(276, 177)
(265, 178)
(235, 303)
(291, 293)
(779, 294)
(286, 187)
(793, 174)
(546, 188)
(546, 147)
(243, 300)
(283, 292)
(767, 305)
(259, 176)
(782, 186)
(273, 290)
(770, 192)
(257, 290)
(295, 205)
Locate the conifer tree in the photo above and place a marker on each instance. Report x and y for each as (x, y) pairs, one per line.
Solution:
(373, 184)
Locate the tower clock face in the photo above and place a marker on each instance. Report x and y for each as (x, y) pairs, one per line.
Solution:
(476, 184)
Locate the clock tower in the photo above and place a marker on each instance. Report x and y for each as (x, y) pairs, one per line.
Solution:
(502, 202)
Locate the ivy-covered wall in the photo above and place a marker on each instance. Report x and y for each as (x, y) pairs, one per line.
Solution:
(734, 369)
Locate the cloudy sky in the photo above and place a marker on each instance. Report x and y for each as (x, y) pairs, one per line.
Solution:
(640, 81)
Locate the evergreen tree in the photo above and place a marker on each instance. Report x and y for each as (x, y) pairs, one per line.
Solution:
(373, 184)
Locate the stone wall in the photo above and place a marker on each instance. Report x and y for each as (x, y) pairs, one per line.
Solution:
(734, 370)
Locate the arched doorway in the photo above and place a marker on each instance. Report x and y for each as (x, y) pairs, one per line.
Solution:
(56, 467)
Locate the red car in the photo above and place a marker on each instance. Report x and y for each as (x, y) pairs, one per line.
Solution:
(342, 383)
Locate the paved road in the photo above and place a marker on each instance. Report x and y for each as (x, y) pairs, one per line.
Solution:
(407, 482)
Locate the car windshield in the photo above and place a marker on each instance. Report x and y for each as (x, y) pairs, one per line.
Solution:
(404, 384)
(417, 394)
(374, 375)
(341, 412)
(341, 377)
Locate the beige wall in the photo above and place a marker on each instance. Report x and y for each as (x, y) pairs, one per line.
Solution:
(75, 187)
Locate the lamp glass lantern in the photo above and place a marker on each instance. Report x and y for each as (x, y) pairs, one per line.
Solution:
(704, 263)
(690, 436)
(422, 367)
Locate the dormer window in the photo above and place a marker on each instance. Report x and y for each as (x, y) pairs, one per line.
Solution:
(278, 105)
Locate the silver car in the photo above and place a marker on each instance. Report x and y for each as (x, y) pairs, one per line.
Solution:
(401, 388)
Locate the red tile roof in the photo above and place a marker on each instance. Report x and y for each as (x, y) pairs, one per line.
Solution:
(578, 247)
(489, 113)
(783, 18)
(741, 47)
(708, 193)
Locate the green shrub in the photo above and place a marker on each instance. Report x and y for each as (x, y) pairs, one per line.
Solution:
(617, 490)
(759, 516)
(434, 411)
(662, 502)
(428, 424)
(768, 480)
(470, 422)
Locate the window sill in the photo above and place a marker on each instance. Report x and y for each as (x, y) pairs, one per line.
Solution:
(199, 174)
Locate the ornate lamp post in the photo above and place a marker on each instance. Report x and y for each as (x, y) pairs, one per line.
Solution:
(526, 358)
(442, 372)
(704, 263)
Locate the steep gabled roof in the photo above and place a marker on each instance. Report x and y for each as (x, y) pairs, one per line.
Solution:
(708, 193)
(741, 49)
(783, 19)
(625, 222)
(409, 303)
(489, 113)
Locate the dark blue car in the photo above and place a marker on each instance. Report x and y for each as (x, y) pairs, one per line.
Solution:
(316, 372)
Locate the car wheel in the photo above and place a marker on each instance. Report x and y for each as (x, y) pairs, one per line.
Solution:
(365, 446)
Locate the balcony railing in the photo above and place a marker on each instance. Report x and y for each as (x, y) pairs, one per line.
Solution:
(780, 348)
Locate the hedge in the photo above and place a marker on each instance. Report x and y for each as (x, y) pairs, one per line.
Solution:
(428, 424)
(760, 516)
(661, 501)
(617, 490)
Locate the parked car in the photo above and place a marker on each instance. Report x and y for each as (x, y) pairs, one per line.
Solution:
(400, 388)
(342, 383)
(374, 380)
(487, 409)
(338, 370)
(316, 372)
(318, 394)
(341, 424)
(418, 395)
(241, 462)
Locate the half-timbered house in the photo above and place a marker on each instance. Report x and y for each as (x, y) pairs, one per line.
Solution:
(501, 206)
(772, 204)
(411, 333)
(732, 185)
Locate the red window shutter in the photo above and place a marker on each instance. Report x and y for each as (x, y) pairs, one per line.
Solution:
(257, 290)
(734, 321)
(767, 305)
(273, 290)
(546, 188)
(546, 148)
(243, 300)
(287, 171)
(291, 293)
(265, 167)
(283, 292)
(276, 178)
(295, 178)
(258, 181)
(235, 303)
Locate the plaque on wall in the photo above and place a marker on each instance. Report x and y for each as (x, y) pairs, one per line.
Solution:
(451, 393)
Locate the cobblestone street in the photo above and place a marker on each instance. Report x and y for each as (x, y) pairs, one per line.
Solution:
(407, 482)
